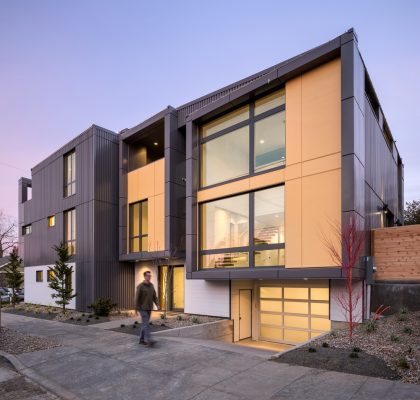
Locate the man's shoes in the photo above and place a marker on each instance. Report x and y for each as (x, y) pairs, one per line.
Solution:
(150, 343)
(142, 342)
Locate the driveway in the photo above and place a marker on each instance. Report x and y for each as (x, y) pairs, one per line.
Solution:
(97, 364)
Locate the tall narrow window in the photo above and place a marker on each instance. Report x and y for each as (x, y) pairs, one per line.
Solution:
(26, 230)
(70, 173)
(70, 230)
(138, 226)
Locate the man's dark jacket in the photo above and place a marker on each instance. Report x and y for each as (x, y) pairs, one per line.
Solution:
(145, 297)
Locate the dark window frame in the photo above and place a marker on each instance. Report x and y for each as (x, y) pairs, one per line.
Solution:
(26, 229)
(250, 122)
(141, 235)
(251, 248)
(41, 278)
(69, 183)
(70, 242)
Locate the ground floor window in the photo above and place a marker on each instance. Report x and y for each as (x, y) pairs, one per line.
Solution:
(171, 287)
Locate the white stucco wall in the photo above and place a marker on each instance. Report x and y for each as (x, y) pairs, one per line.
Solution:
(39, 292)
(337, 313)
(207, 297)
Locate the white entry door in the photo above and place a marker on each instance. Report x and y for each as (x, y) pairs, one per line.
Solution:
(245, 313)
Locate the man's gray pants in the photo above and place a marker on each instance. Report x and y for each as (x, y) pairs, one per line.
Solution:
(145, 327)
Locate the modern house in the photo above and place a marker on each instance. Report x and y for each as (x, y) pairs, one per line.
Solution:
(226, 199)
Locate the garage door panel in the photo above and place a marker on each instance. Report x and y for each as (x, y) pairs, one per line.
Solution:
(320, 324)
(269, 332)
(293, 321)
(271, 305)
(293, 335)
(295, 307)
(320, 309)
(271, 319)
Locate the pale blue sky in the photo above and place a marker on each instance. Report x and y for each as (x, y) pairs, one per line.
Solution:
(67, 64)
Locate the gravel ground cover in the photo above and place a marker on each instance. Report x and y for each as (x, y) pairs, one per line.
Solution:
(168, 322)
(395, 342)
(14, 342)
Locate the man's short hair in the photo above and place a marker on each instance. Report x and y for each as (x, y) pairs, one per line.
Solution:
(146, 272)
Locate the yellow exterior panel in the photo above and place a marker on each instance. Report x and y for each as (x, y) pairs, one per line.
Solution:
(321, 207)
(151, 224)
(146, 181)
(267, 179)
(132, 186)
(293, 223)
(160, 221)
(294, 121)
(322, 164)
(159, 176)
(321, 111)
(293, 171)
(228, 189)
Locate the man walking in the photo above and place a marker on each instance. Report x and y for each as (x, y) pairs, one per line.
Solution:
(145, 297)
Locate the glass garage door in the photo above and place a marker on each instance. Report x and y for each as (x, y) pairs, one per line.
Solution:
(293, 314)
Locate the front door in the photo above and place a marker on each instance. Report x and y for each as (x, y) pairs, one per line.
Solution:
(245, 313)
(171, 287)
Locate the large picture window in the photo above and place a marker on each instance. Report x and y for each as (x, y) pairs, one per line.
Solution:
(246, 230)
(70, 173)
(138, 227)
(70, 231)
(244, 142)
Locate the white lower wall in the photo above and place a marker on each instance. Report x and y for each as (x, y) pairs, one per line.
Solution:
(39, 292)
(207, 297)
(337, 313)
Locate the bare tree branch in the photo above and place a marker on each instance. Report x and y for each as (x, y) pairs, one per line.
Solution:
(8, 236)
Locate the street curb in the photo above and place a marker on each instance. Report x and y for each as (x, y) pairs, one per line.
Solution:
(38, 379)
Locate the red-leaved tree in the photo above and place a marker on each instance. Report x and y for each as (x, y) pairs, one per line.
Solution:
(345, 246)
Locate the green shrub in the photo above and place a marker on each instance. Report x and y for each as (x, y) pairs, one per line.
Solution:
(96, 317)
(402, 318)
(179, 317)
(395, 338)
(325, 344)
(403, 363)
(354, 355)
(102, 307)
(122, 326)
(88, 320)
(370, 326)
(195, 320)
(312, 350)
(162, 316)
(408, 330)
(404, 310)
(356, 350)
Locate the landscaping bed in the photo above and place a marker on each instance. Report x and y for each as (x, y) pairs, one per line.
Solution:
(166, 322)
(391, 350)
(14, 342)
(56, 314)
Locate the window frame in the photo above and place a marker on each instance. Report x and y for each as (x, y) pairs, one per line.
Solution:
(73, 240)
(251, 248)
(41, 273)
(66, 182)
(141, 235)
(24, 229)
(250, 122)
(49, 219)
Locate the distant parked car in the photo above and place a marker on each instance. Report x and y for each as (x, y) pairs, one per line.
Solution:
(5, 296)
(21, 294)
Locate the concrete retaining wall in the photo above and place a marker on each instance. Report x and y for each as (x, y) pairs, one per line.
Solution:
(396, 295)
(219, 330)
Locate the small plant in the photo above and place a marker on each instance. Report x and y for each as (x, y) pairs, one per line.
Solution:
(96, 317)
(195, 320)
(334, 334)
(325, 344)
(312, 350)
(403, 363)
(395, 338)
(179, 317)
(136, 322)
(102, 307)
(370, 326)
(122, 326)
(356, 350)
(90, 316)
(88, 320)
(79, 319)
(402, 318)
(162, 316)
(134, 326)
(354, 355)
(408, 330)
(71, 318)
(83, 315)
(404, 310)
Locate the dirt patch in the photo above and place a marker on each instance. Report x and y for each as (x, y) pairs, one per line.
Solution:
(335, 359)
(14, 342)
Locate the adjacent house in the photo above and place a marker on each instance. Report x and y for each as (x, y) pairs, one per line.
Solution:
(226, 199)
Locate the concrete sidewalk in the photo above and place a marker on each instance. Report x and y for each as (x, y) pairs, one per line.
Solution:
(98, 364)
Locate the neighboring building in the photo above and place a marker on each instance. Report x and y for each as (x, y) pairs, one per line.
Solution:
(234, 191)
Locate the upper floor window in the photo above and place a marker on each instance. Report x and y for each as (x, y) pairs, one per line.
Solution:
(70, 231)
(38, 276)
(245, 230)
(70, 173)
(27, 229)
(138, 226)
(243, 142)
(51, 221)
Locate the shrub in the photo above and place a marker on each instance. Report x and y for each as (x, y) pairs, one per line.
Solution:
(195, 320)
(79, 319)
(134, 325)
(402, 318)
(83, 315)
(325, 344)
(136, 322)
(96, 317)
(395, 338)
(334, 334)
(122, 326)
(370, 326)
(102, 307)
(179, 317)
(88, 320)
(404, 310)
(312, 350)
(71, 318)
(162, 316)
(354, 355)
(356, 350)
(403, 363)
(408, 330)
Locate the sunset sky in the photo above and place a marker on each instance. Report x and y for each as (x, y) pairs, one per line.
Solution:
(67, 64)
